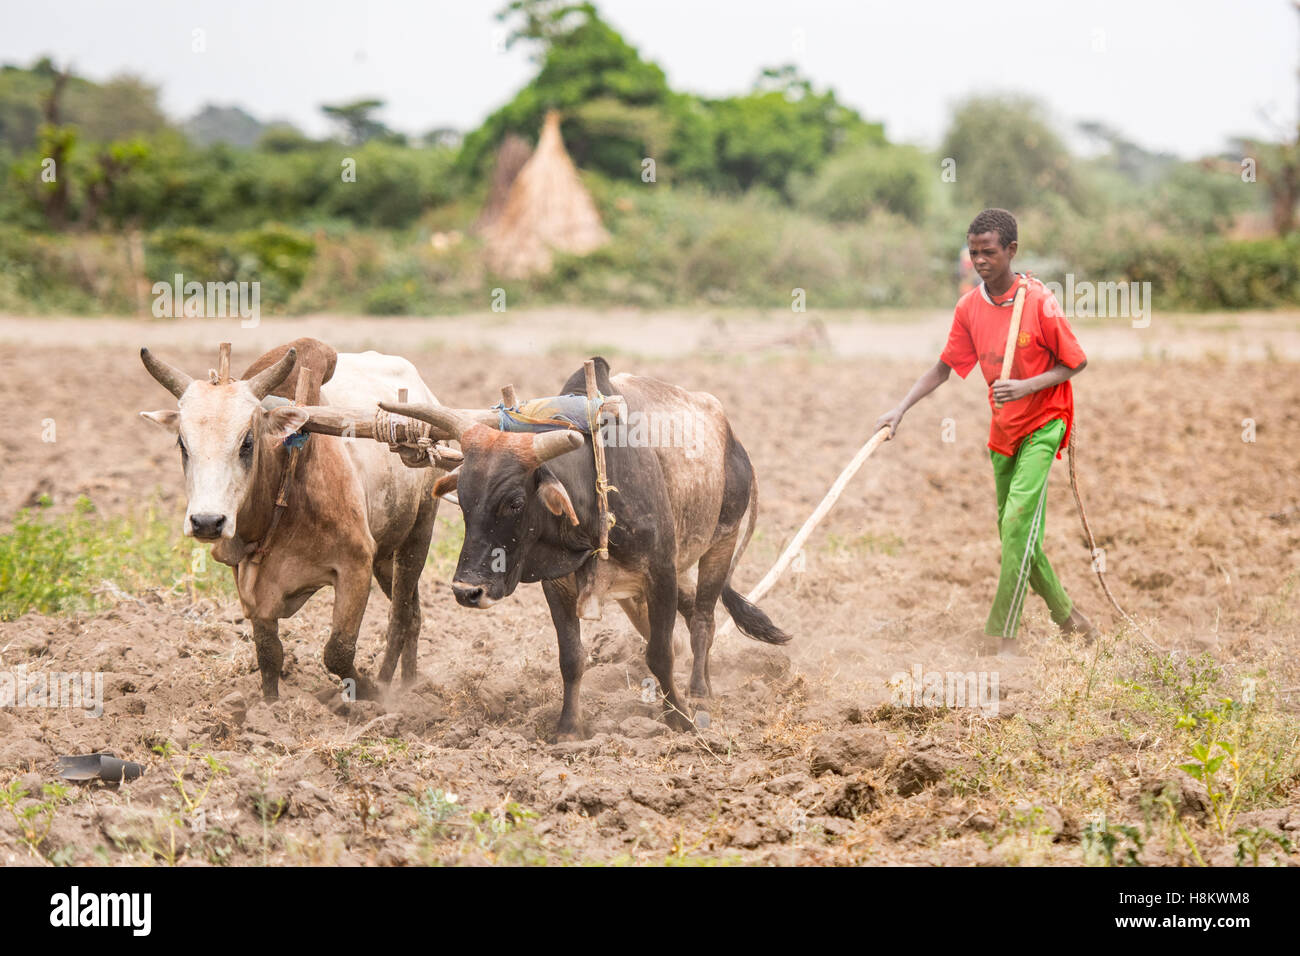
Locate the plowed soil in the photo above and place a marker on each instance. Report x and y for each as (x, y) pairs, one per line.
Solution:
(806, 757)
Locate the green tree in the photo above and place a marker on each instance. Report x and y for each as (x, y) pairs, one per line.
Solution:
(284, 138)
(1279, 171)
(1007, 155)
(122, 108)
(618, 109)
(860, 180)
(1201, 197)
(782, 128)
(358, 121)
(615, 106)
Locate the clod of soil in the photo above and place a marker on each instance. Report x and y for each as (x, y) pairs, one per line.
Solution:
(849, 751)
(853, 799)
(922, 769)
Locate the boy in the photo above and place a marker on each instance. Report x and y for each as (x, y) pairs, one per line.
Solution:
(1031, 427)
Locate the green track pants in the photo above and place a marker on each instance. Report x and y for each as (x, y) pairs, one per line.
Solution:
(1021, 481)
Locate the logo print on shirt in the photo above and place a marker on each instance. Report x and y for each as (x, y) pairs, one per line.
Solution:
(1023, 339)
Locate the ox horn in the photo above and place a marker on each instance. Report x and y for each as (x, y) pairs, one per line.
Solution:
(172, 379)
(548, 445)
(450, 421)
(267, 380)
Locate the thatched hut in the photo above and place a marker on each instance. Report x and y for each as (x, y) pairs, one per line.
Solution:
(513, 153)
(547, 209)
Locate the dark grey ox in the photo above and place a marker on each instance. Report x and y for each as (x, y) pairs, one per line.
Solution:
(531, 514)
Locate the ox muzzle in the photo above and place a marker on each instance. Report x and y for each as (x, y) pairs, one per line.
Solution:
(207, 527)
(471, 595)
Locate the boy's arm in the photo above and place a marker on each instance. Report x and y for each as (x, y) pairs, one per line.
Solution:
(1010, 389)
(926, 384)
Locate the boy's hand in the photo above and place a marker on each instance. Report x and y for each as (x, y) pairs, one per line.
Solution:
(890, 418)
(1009, 389)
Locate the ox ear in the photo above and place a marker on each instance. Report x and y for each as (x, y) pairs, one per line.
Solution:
(556, 499)
(445, 485)
(286, 420)
(168, 418)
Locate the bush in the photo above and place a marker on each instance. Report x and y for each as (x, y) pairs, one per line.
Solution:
(276, 256)
(877, 178)
(1198, 274)
(62, 274)
(670, 246)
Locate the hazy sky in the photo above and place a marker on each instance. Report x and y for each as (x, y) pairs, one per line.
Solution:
(1177, 75)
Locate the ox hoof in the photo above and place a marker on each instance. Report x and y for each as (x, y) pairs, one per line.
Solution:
(569, 731)
(700, 690)
(678, 722)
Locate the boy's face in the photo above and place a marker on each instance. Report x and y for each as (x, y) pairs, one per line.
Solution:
(989, 257)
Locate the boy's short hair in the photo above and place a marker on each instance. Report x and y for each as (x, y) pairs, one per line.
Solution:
(995, 220)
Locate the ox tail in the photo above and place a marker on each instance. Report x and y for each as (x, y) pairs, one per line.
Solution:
(751, 619)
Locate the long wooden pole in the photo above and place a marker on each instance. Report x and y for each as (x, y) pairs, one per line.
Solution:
(797, 543)
(1013, 331)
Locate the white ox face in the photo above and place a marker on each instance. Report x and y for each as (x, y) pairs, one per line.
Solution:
(223, 431)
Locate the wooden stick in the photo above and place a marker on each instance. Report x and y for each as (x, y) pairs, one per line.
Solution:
(602, 476)
(814, 519)
(223, 363)
(342, 421)
(508, 397)
(347, 422)
(337, 420)
(302, 389)
(1013, 332)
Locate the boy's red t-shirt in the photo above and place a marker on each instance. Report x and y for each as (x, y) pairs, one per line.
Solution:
(979, 334)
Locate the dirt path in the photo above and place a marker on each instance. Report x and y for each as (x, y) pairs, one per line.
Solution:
(913, 335)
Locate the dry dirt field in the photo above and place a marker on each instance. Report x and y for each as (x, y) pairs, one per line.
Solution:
(807, 757)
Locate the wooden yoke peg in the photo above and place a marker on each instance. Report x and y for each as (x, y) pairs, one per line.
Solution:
(603, 487)
(303, 389)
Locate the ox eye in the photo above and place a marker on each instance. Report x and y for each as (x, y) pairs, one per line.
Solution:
(246, 446)
(516, 505)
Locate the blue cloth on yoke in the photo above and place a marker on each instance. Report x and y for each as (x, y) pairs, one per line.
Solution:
(548, 414)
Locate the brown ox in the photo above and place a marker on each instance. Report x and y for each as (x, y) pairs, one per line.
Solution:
(351, 510)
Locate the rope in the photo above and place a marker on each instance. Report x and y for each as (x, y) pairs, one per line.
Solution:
(397, 430)
(401, 433)
(603, 487)
(1092, 543)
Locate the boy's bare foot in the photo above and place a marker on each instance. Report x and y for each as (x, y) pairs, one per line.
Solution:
(1076, 623)
(1009, 647)
(985, 646)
